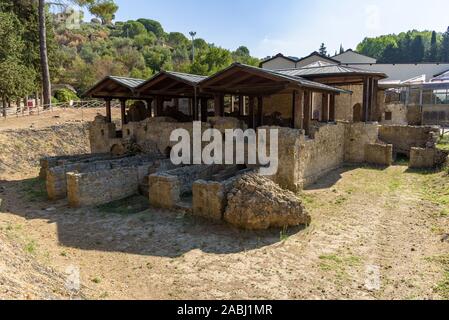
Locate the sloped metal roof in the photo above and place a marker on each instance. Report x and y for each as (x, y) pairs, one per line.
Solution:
(192, 78)
(298, 80)
(128, 82)
(326, 70)
(441, 77)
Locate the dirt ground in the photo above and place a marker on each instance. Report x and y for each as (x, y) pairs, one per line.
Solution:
(375, 234)
(56, 117)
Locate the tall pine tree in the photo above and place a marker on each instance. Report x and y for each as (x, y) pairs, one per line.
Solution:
(444, 51)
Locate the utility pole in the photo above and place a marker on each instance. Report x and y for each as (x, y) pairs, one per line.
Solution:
(193, 34)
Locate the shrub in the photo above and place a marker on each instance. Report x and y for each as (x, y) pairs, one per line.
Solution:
(65, 95)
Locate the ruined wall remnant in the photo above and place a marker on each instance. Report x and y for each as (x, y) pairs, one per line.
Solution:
(322, 154)
(150, 136)
(167, 188)
(344, 103)
(395, 114)
(210, 197)
(51, 162)
(56, 181)
(357, 136)
(116, 182)
(422, 158)
(403, 138)
(256, 203)
(100, 187)
(379, 154)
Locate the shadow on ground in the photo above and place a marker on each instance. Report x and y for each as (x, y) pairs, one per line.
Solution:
(332, 178)
(150, 232)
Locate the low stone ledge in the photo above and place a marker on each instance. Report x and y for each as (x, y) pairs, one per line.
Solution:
(379, 154)
(423, 158)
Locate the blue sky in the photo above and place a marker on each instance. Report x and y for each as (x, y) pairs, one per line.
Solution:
(293, 27)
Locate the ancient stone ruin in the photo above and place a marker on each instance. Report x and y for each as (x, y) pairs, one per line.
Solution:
(322, 123)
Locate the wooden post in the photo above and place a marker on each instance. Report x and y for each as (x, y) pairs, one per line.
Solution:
(298, 110)
(159, 106)
(325, 108)
(123, 111)
(365, 100)
(241, 105)
(259, 111)
(204, 109)
(149, 103)
(195, 109)
(108, 110)
(251, 118)
(332, 108)
(307, 111)
(219, 105)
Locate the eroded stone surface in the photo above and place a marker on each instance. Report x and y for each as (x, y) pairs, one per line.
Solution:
(255, 202)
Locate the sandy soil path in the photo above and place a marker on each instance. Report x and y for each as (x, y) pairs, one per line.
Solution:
(376, 234)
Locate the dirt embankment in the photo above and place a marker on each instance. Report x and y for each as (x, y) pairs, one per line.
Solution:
(21, 276)
(20, 150)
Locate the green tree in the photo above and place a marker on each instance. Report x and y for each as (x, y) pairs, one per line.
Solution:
(212, 61)
(342, 50)
(104, 10)
(432, 55)
(417, 50)
(131, 29)
(323, 50)
(444, 51)
(154, 27)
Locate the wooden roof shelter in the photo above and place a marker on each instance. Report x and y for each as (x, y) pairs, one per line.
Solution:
(171, 84)
(113, 87)
(248, 80)
(256, 83)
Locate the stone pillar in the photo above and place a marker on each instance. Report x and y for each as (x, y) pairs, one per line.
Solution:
(108, 110)
(325, 108)
(123, 111)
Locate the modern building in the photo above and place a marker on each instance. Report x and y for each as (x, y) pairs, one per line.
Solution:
(415, 93)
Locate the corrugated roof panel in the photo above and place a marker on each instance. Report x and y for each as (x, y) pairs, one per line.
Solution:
(324, 70)
(192, 78)
(128, 82)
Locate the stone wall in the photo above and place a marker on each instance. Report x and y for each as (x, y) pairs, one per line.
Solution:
(322, 154)
(281, 103)
(100, 187)
(357, 136)
(403, 138)
(422, 158)
(414, 115)
(167, 188)
(104, 186)
(344, 103)
(379, 154)
(56, 181)
(428, 158)
(51, 162)
(398, 114)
